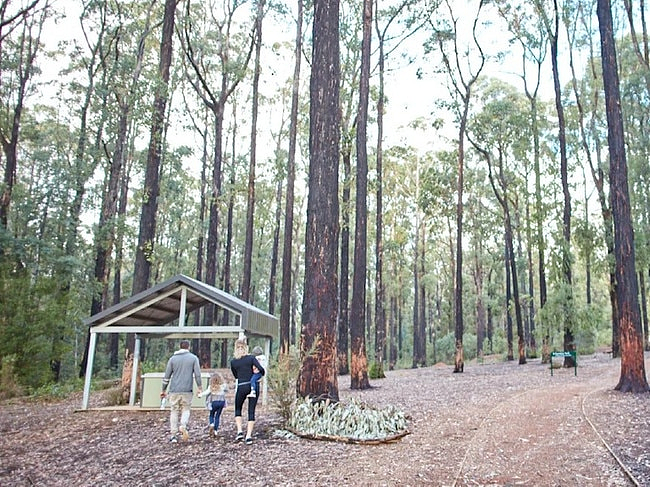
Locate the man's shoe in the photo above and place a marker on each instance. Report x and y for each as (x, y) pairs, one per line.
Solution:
(184, 434)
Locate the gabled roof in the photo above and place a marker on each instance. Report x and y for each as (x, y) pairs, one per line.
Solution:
(163, 309)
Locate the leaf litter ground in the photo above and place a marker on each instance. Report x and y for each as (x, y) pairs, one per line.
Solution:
(497, 424)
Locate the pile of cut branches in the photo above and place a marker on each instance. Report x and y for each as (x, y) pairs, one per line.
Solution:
(355, 422)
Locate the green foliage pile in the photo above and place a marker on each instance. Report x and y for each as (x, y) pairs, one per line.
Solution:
(355, 420)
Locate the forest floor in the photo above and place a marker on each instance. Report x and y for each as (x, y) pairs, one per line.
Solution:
(494, 424)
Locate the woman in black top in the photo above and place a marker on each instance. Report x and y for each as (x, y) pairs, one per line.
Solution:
(242, 368)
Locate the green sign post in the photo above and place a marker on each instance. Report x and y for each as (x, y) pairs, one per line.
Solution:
(571, 354)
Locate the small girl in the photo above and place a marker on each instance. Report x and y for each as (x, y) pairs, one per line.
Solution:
(215, 401)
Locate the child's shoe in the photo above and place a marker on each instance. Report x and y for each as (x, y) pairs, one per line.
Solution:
(252, 393)
(211, 431)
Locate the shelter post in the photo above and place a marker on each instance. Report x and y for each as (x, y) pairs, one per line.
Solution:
(89, 369)
(134, 371)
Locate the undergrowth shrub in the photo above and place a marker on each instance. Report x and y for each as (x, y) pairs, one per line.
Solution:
(9, 386)
(282, 382)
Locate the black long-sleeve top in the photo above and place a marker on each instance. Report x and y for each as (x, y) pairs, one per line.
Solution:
(242, 368)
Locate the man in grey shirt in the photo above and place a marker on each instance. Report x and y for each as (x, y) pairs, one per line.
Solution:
(182, 370)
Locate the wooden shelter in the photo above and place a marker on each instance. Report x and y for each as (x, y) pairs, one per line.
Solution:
(162, 311)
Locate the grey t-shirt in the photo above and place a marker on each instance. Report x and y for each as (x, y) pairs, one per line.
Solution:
(181, 369)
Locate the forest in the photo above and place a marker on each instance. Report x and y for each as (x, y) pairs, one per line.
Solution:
(442, 180)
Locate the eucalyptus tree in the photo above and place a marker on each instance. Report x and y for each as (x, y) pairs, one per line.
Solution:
(386, 44)
(532, 37)
(250, 208)
(635, 111)
(633, 376)
(493, 132)
(463, 65)
(151, 185)
(317, 377)
(287, 249)
(212, 45)
(484, 219)
(439, 184)
(400, 205)
(359, 360)
(87, 154)
(122, 63)
(351, 22)
(20, 43)
(640, 40)
(552, 25)
(588, 104)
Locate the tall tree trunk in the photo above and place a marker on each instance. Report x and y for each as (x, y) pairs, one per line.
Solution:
(248, 245)
(508, 312)
(569, 322)
(644, 310)
(380, 313)
(287, 254)
(633, 376)
(273, 274)
(104, 237)
(463, 85)
(343, 341)
(359, 360)
(317, 377)
(144, 251)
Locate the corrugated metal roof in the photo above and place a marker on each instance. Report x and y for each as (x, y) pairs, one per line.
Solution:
(159, 309)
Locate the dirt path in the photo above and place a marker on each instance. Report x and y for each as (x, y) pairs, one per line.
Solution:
(499, 424)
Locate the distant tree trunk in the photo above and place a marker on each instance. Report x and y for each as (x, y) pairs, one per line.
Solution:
(598, 176)
(273, 274)
(216, 101)
(248, 245)
(145, 250)
(480, 300)
(318, 375)
(644, 310)
(508, 313)
(501, 194)
(633, 376)
(463, 86)
(119, 259)
(422, 321)
(226, 277)
(394, 330)
(344, 311)
(287, 255)
(416, 306)
(151, 189)
(569, 322)
(540, 239)
(359, 360)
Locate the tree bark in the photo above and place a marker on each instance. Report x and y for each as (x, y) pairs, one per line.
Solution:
(287, 249)
(318, 375)
(633, 376)
(359, 360)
